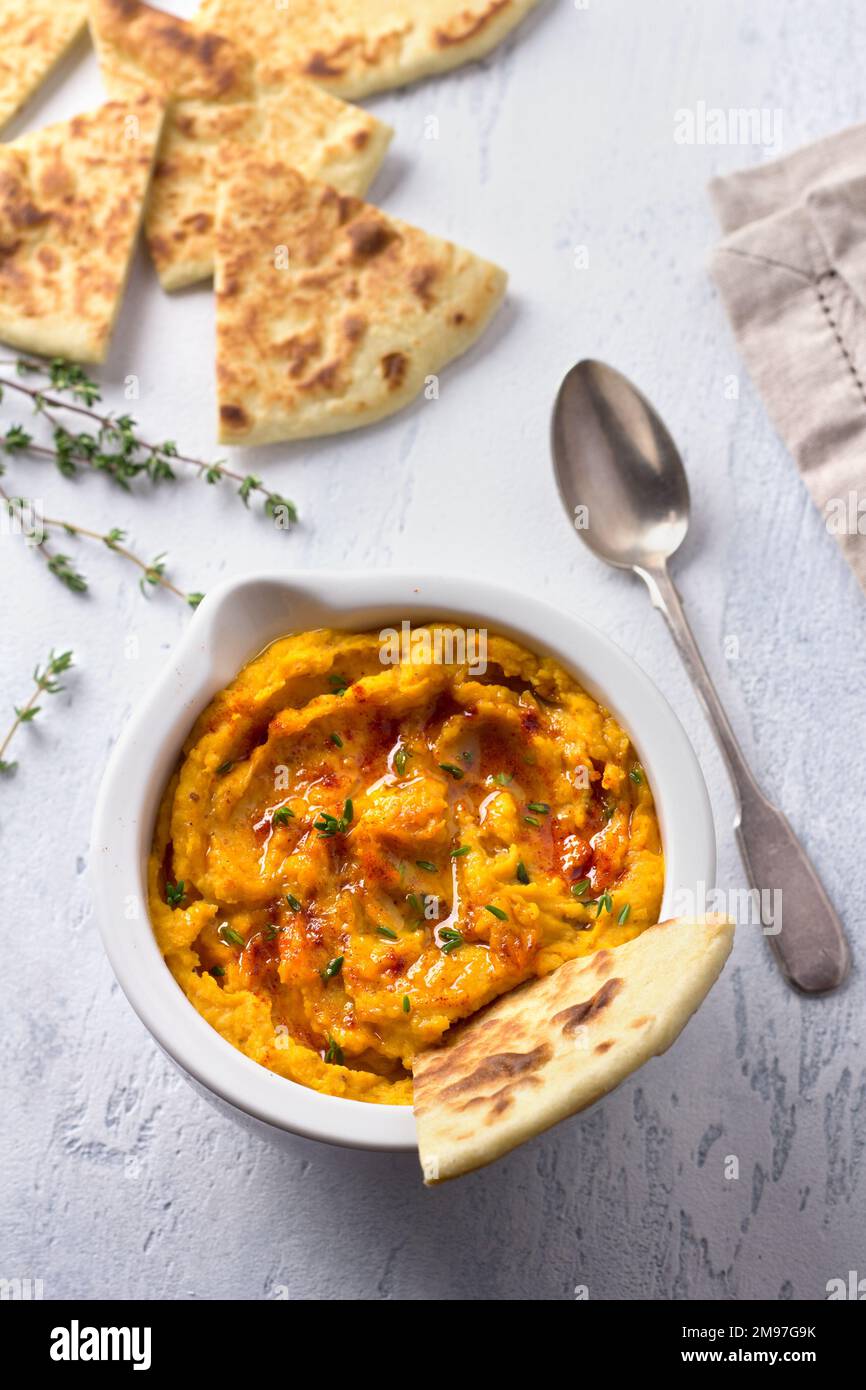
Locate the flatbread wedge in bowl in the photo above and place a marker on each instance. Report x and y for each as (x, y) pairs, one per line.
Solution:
(556, 1045)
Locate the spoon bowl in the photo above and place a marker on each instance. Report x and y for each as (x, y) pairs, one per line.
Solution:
(619, 472)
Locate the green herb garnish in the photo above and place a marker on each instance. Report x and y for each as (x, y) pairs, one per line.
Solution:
(460, 850)
(578, 889)
(217, 971)
(449, 939)
(332, 968)
(152, 573)
(387, 932)
(603, 904)
(425, 864)
(522, 873)
(336, 740)
(110, 444)
(406, 1004)
(453, 770)
(293, 902)
(45, 683)
(224, 768)
(636, 775)
(63, 569)
(228, 936)
(401, 757)
(503, 778)
(338, 684)
(496, 912)
(541, 807)
(334, 1053)
(328, 825)
(283, 816)
(623, 916)
(175, 893)
(532, 820)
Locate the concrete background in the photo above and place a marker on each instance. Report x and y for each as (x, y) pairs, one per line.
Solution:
(116, 1179)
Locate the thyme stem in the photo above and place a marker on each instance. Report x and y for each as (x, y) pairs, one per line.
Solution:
(44, 683)
(21, 717)
(153, 573)
(86, 449)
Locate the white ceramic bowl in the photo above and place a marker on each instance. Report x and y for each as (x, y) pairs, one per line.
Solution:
(235, 622)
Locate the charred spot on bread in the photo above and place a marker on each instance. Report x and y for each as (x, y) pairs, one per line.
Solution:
(502, 1066)
(234, 416)
(576, 1015)
(369, 238)
(471, 25)
(421, 278)
(320, 65)
(394, 365)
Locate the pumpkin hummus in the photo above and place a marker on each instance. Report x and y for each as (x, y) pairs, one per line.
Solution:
(355, 854)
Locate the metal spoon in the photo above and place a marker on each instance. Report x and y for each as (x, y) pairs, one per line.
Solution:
(614, 458)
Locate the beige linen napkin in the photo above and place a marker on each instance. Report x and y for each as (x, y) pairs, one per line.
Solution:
(792, 274)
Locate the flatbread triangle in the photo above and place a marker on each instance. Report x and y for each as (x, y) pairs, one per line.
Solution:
(557, 1044)
(330, 314)
(34, 36)
(215, 93)
(355, 47)
(72, 200)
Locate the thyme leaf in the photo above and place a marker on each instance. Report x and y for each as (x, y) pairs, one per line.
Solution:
(45, 682)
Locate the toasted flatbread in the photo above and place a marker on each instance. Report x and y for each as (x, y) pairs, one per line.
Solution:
(71, 201)
(215, 95)
(355, 47)
(319, 135)
(557, 1044)
(34, 36)
(330, 315)
(140, 45)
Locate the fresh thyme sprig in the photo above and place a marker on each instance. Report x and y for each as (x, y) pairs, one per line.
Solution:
(153, 575)
(45, 682)
(450, 939)
(328, 826)
(114, 446)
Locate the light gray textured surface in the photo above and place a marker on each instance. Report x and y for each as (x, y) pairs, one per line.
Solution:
(116, 1179)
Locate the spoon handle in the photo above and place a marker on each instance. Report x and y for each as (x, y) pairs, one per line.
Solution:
(805, 932)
